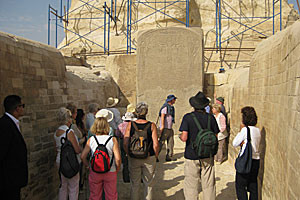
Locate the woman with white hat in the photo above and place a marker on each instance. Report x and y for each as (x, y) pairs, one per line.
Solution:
(106, 114)
(108, 180)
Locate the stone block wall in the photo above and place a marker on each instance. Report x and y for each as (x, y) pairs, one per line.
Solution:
(38, 74)
(35, 72)
(274, 91)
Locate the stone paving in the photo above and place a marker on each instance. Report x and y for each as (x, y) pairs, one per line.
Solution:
(169, 179)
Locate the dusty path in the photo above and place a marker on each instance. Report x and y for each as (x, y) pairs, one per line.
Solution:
(169, 179)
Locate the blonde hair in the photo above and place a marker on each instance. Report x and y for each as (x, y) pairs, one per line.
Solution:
(100, 126)
(64, 115)
(217, 107)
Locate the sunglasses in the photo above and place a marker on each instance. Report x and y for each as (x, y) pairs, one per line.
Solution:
(22, 105)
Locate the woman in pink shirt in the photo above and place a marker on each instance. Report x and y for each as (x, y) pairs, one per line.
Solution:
(221, 120)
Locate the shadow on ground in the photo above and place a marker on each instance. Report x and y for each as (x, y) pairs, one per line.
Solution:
(228, 192)
(166, 183)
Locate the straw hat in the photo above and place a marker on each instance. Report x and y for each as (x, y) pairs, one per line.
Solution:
(111, 102)
(105, 113)
(131, 108)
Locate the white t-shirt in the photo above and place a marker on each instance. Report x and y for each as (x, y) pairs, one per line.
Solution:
(102, 139)
(255, 140)
(168, 119)
(58, 142)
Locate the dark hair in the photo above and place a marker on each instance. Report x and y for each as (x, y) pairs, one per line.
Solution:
(11, 102)
(79, 117)
(249, 116)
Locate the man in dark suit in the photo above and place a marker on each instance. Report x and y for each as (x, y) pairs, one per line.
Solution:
(13, 151)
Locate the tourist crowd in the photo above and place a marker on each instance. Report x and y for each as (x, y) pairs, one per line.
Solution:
(103, 143)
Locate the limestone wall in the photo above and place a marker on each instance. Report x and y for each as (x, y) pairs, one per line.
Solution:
(37, 73)
(274, 91)
(169, 61)
(123, 71)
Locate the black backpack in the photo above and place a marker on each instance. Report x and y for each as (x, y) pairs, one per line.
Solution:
(100, 161)
(69, 165)
(139, 143)
(206, 143)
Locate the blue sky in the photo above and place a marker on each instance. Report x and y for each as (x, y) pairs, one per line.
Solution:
(29, 18)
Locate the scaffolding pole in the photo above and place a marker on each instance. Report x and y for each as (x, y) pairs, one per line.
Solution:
(220, 16)
(49, 23)
(64, 17)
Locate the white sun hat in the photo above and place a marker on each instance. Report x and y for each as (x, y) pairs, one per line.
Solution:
(105, 113)
(129, 117)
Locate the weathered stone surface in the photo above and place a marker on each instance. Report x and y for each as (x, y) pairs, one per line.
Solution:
(37, 73)
(274, 93)
(123, 71)
(169, 62)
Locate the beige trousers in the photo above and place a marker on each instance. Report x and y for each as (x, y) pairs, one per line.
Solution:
(196, 171)
(168, 134)
(142, 169)
(219, 157)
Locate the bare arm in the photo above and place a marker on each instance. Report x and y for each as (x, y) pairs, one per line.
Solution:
(184, 136)
(117, 154)
(85, 152)
(155, 139)
(126, 137)
(162, 118)
(74, 141)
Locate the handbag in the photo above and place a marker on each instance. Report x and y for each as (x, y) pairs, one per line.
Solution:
(243, 162)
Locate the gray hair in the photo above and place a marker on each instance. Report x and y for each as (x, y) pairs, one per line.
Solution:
(71, 107)
(64, 115)
(141, 109)
(93, 107)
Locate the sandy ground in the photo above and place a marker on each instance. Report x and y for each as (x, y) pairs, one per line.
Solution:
(170, 177)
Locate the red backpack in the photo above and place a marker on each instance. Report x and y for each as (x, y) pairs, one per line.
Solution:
(100, 161)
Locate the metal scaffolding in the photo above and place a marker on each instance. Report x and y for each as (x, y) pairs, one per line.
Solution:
(221, 16)
(148, 4)
(61, 19)
(64, 20)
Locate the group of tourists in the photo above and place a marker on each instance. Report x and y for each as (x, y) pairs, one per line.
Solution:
(98, 144)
